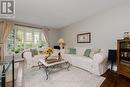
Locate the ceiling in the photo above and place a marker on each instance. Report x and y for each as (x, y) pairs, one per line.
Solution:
(60, 13)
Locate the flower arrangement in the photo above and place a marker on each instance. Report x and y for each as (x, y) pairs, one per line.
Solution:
(48, 52)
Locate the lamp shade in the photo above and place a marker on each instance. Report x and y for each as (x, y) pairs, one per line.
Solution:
(61, 40)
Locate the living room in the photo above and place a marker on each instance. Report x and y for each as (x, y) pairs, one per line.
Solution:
(77, 28)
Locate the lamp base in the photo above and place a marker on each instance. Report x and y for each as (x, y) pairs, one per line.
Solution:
(61, 46)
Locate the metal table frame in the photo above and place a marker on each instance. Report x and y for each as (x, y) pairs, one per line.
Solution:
(43, 64)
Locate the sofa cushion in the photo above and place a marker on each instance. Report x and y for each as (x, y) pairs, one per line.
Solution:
(72, 51)
(81, 61)
(87, 52)
(94, 51)
(80, 51)
(80, 58)
(86, 59)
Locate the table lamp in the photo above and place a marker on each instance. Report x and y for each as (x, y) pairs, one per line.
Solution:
(61, 43)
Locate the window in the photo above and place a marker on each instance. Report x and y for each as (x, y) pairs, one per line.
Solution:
(25, 37)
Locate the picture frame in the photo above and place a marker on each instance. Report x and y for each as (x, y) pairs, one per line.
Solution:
(84, 38)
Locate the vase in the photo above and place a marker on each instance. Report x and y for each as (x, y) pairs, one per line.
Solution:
(126, 35)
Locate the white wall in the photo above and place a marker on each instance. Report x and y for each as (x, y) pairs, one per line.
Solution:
(105, 28)
(53, 37)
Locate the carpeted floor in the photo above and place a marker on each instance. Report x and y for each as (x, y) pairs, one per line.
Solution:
(61, 78)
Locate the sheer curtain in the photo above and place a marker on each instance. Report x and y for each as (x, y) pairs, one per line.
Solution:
(5, 28)
(46, 34)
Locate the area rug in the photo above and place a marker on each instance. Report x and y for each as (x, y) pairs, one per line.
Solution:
(75, 77)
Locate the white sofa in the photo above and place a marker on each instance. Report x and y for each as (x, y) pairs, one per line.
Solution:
(96, 65)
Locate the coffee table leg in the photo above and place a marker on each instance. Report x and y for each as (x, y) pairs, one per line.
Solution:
(46, 70)
(68, 66)
(39, 65)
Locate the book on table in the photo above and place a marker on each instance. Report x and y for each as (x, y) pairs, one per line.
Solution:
(53, 59)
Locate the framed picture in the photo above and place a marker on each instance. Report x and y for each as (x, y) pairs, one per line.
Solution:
(84, 38)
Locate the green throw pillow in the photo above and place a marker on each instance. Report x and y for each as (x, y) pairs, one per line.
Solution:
(87, 52)
(34, 52)
(72, 51)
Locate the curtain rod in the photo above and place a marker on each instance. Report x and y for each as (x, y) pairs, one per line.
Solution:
(28, 26)
(25, 24)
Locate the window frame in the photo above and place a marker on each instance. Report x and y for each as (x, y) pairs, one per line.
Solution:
(25, 30)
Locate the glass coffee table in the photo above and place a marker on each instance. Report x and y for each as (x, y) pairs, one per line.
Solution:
(43, 64)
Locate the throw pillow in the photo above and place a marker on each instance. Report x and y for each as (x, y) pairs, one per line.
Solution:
(66, 50)
(87, 52)
(91, 54)
(34, 52)
(94, 51)
(72, 51)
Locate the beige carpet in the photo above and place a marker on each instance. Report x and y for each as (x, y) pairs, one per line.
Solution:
(61, 78)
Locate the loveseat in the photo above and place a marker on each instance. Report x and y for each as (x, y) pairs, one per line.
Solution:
(96, 65)
(32, 61)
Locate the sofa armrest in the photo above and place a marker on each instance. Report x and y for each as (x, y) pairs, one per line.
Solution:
(27, 54)
(99, 58)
